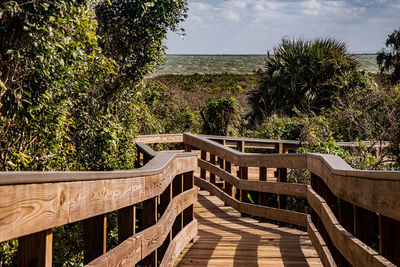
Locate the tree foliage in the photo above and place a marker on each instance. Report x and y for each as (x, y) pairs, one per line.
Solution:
(389, 59)
(305, 75)
(218, 115)
(132, 34)
(69, 71)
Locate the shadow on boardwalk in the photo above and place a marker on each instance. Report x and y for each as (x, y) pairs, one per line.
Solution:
(226, 239)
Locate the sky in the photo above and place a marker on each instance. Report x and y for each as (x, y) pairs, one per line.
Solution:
(256, 26)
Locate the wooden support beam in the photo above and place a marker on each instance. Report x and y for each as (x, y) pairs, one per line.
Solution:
(363, 225)
(94, 237)
(389, 239)
(126, 223)
(203, 156)
(244, 175)
(36, 249)
(177, 187)
(188, 148)
(282, 199)
(262, 197)
(165, 199)
(149, 218)
(188, 183)
(212, 175)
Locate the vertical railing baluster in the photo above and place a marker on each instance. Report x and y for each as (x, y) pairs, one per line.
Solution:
(177, 186)
(94, 237)
(389, 239)
(149, 218)
(36, 249)
(212, 175)
(126, 223)
(203, 174)
(262, 196)
(188, 183)
(165, 199)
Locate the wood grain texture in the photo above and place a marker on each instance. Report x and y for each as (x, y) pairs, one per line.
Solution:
(286, 216)
(226, 239)
(36, 249)
(376, 191)
(290, 189)
(145, 242)
(179, 243)
(319, 244)
(30, 208)
(355, 251)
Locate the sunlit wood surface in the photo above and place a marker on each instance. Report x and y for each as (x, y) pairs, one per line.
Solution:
(226, 239)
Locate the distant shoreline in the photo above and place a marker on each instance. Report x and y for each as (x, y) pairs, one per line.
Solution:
(257, 55)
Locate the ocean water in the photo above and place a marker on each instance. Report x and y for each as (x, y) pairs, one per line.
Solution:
(237, 64)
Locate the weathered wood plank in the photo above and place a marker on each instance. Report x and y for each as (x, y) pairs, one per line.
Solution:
(126, 223)
(94, 237)
(179, 243)
(132, 250)
(299, 190)
(319, 244)
(256, 210)
(36, 249)
(30, 208)
(355, 251)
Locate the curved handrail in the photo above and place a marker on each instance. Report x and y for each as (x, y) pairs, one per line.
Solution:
(335, 180)
(33, 203)
(379, 192)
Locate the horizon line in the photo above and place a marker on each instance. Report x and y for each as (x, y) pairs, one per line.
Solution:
(250, 54)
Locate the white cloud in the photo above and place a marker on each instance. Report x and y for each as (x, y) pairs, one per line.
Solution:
(200, 6)
(311, 7)
(231, 15)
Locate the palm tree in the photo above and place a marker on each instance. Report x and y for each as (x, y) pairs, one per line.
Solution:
(304, 75)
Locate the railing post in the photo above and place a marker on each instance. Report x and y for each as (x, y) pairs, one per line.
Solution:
(228, 186)
(203, 156)
(36, 249)
(149, 218)
(126, 223)
(188, 148)
(188, 183)
(389, 239)
(177, 186)
(212, 175)
(165, 199)
(262, 196)
(363, 225)
(244, 174)
(137, 160)
(95, 237)
(282, 178)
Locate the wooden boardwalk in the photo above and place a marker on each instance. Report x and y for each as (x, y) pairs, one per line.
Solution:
(226, 239)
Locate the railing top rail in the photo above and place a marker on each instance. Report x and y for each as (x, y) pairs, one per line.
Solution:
(177, 138)
(302, 160)
(155, 166)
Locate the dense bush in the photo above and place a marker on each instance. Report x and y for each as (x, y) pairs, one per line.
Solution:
(219, 115)
(68, 76)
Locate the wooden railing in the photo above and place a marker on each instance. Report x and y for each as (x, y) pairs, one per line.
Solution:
(350, 209)
(33, 203)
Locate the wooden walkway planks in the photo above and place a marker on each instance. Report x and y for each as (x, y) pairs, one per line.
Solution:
(226, 239)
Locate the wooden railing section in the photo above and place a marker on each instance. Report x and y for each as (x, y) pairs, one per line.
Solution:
(349, 208)
(33, 203)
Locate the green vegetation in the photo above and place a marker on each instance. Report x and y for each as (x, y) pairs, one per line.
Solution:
(69, 89)
(389, 59)
(306, 75)
(219, 115)
(73, 95)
